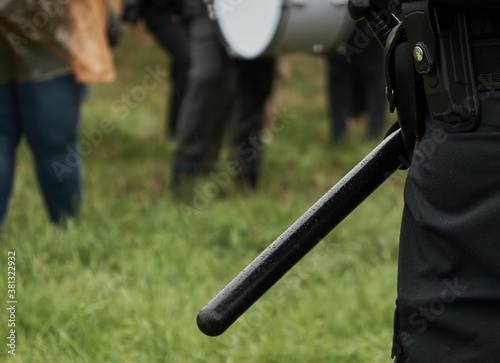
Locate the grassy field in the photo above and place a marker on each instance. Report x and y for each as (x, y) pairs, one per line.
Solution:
(126, 282)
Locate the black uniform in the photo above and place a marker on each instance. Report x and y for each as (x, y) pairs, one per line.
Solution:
(449, 260)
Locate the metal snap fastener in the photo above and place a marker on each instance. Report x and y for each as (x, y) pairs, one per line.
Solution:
(418, 54)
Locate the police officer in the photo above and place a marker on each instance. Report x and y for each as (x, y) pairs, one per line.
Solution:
(448, 306)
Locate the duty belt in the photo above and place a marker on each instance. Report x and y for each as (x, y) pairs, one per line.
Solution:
(433, 64)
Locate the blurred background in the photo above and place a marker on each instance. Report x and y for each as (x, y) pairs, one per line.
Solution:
(125, 282)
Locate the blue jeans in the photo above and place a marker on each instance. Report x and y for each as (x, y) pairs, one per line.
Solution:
(47, 114)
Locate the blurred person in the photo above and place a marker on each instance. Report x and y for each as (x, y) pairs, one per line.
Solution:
(356, 83)
(165, 21)
(47, 51)
(220, 88)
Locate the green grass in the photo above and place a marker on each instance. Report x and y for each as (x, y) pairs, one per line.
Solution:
(126, 282)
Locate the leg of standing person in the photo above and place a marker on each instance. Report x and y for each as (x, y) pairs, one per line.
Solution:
(49, 113)
(339, 91)
(10, 133)
(449, 245)
(357, 102)
(254, 80)
(204, 109)
(171, 32)
(376, 101)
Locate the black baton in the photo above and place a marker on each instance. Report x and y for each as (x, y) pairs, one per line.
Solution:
(277, 259)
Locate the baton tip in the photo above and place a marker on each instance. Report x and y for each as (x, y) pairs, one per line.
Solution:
(210, 322)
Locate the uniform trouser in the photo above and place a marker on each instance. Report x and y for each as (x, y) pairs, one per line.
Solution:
(449, 259)
(254, 83)
(173, 37)
(46, 113)
(220, 89)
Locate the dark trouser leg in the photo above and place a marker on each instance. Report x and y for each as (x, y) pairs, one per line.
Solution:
(254, 80)
(174, 39)
(10, 133)
(50, 113)
(204, 110)
(339, 91)
(448, 275)
(376, 103)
